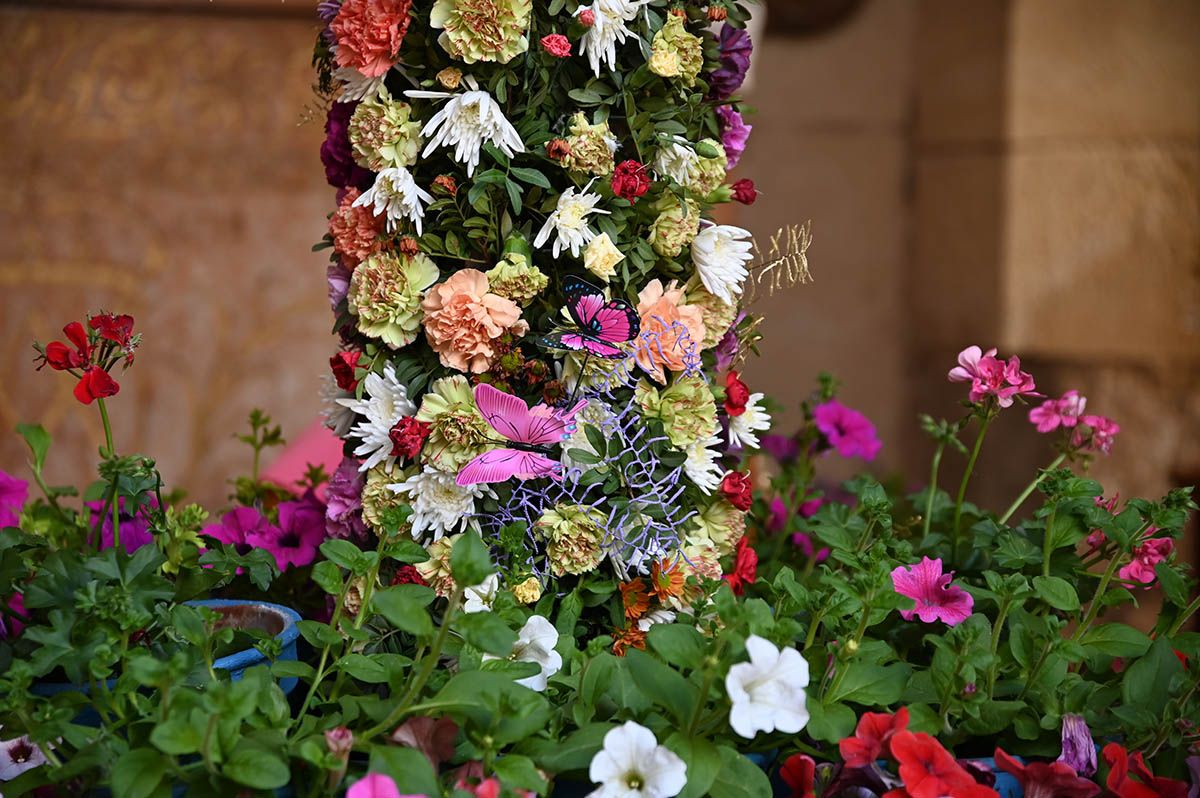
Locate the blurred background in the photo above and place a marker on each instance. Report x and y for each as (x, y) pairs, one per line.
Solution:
(1014, 173)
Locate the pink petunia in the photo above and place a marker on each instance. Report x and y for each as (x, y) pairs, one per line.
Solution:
(991, 377)
(376, 785)
(848, 431)
(936, 599)
(301, 530)
(1062, 412)
(13, 494)
(1148, 554)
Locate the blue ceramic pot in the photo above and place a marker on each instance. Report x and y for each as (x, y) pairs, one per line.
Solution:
(1006, 784)
(261, 615)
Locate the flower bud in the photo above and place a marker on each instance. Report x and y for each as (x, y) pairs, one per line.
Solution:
(587, 17)
(449, 78)
(1078, 748)
(445, 183)
(717, 13)
(529, 591)
(340, 740)
(557, 149)
(408, 246)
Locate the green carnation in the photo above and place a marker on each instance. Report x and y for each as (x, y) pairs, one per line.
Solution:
(457, 431)
(675, 53)
(717, 313)
(517, 279)
(383, 134)
(385, 295)
(592, 147)
(686, 409)
(721, 523)
(482, 30)
(708, 172)
(377, 497)
(675, 227)
(574, 538)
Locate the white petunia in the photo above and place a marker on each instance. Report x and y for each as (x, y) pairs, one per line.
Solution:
(701, 464)
(385, 401)
(569, 221)
(653, 617)
(465, 122)
(720, 253)
(479, 598)
(676, 161)
(608, 30)
(439, 503)
(767, 692)
(396, 195)
(743, 428)
(633, 765)
(535, 643)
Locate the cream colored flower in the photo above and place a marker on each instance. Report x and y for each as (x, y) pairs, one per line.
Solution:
(385, 296)
(675, 53)
(482, 30)
(528, 591)
(457, 431)
(601, 257)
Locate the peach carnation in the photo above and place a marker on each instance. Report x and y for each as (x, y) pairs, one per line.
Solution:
(368, 34)
(462, 320)
(671, 330)
(355, 231)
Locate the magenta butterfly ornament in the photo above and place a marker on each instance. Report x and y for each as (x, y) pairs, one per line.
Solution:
(529, 433)
(599, 324)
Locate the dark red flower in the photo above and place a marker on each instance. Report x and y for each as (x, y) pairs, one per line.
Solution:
(408, 575)
(745, 567)
(744, 191)
(736, 394)
(1120, 762)
(799, 772)
(96, 383)
(737, 489)
(408, 436)
(872, 738)
(630, 180)
(930, 771)
(1047, 780)
(61, 357)
(118, 329)
(343, 365)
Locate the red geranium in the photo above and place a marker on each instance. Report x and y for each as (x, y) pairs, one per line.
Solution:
(96, 383)
(1046, 780)
(737, 489)
(736, 394)
(930, 771)
(118, 329)
(61, 357)
(630, 180)
(872, 738)
(343, 365)
(408, 436)
(798, 772)
(745, 568)
(1120, 762)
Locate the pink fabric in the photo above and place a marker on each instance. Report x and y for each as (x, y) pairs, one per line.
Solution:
(315, 445)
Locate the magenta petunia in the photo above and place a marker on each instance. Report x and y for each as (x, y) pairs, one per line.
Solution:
(375, 785)
(936, 599)
(734, 133)
(13, 494)
(343, 508)
(236, 527)
(848, 431)
(135, 527)
(301, 530)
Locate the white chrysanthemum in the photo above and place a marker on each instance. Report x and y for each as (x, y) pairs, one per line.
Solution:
(338, 418)
(767, 693)
(608, 30)
(569, 221)
(676, 161)
(701, 464)
(466, 122)
(397, 195)
(535, 643)
(480, 597)
(385, 401)
(633, 765)
(720, 253)
(356, 86)
(439, 504)
(743, 428)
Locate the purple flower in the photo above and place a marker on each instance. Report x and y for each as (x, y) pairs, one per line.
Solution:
(13, 494)
(736, 48)
(338, 277)
(236, 527)
(784, 448)
(9, 625)
(804, 541)
(1078, 748)
(848, 431)
(930, 589)
(343, 502)
(135, 527)
(727, 348)
(18, 756)
(734, 133)
(340, 169)
(301, 530)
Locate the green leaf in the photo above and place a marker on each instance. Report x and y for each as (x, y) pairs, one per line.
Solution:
(530, 176)
(408, 767)
(404, 607)
(345, 554)
(177, 737)
(470, 562)
(738, 777)
(38, 440)
(363, 667)
(1173, 584)
(318, 634)
(575, 752)
(679, 644)
(327, 577)
(137, 773)
(829, 722)
(1147, 682)
(519, 772)
(1056, 592)
(872, 685)
(405, 550)
(514, 195)
(486, 631)
(1116, 640)
(662, 684)
(703, 761)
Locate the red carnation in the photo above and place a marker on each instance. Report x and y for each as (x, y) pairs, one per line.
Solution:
(61, 357)
(736, 394)
(96, 383)
(408, 575)
(744, 191)
(557, 45)
(737, 489)
(745, 567)
(629, 180)
(343, 365)
(408, 436)
(872, 738)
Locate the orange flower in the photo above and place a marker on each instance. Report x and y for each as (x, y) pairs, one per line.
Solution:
(463, 321)
(671, 331)
(354, 230)
(625, 639)
(666, 580)
(633, 595)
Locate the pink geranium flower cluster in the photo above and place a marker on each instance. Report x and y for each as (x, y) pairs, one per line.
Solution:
(991, 377)
(1062, 412)
(1146, 556)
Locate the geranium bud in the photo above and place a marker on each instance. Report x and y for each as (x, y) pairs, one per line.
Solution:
(679, 12)
(446, 183)
(557, 149)
(340, 740)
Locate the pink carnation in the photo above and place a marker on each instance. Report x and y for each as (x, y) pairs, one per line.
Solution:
(670, 330)
(1053, 413)
(463, 321)
(990, 376)
(936, 599)
(368, 34)
(355, 231)
(1147, 555)
(557, 45)
(1095, 433)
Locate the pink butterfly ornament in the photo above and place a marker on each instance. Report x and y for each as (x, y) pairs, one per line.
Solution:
(600, 324)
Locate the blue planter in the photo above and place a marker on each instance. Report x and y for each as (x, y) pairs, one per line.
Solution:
(1006, 784)
(262, 615)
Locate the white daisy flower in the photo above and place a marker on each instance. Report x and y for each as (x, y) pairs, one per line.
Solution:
(633, 765)
(743, 428)
(720, 253)
(676, 161)
(385, 401)
(767, 692)
(397, 195)
(338, 418)
(479, 598)
(535, 643)
(356, 86)
(439, 504)
(464, 123)
(655, 616)
(608, 30)
(701, 464)
(569, 221)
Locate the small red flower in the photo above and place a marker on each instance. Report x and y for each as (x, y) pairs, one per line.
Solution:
(744, 191)
(872, 738)
(745, 568)
(343, 365)
(1120, 762)
(798, 772)
(629, 180)
(408, 575)
(930, 771)
(587, 18)
(118, 329)
(736, 394)
(61, 357)
(557, 45)
(1047, 780)
(408, 436)
(737, 489)
(96, 383)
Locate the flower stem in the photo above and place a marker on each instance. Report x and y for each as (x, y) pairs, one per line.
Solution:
(966, 478)
(1031, 487)
(934, 467)
(1046, 538)
(110, 452)
(1188, 612)
(1094, 607)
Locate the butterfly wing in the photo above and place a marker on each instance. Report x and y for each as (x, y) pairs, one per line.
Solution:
(601, 349)
(551, 425)
(500, 465)
(584, 300)
(505, 413)
(571, 341)
(616, 322)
